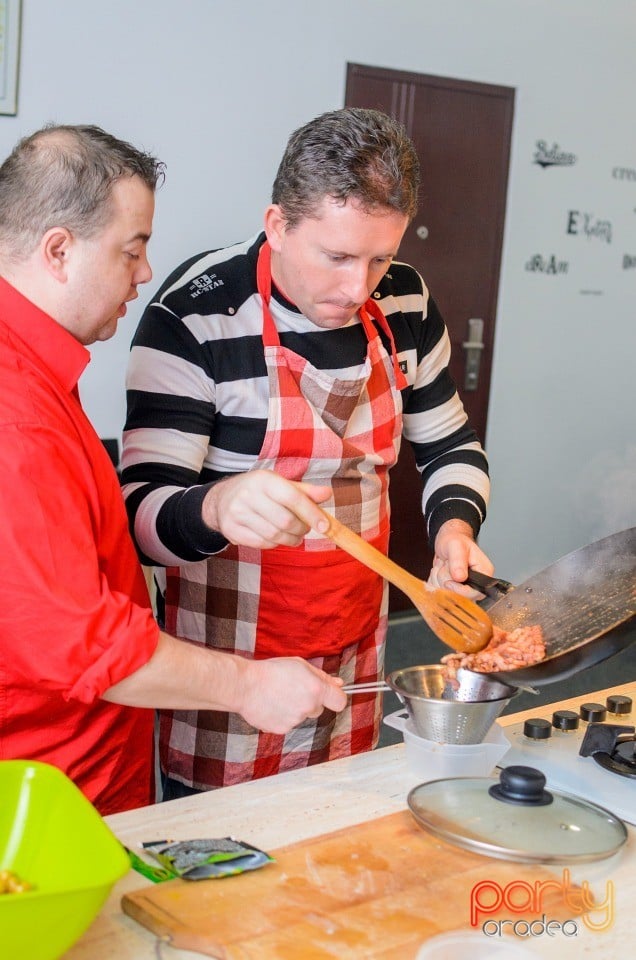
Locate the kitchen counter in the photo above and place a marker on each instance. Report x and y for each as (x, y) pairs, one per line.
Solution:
(295, 806)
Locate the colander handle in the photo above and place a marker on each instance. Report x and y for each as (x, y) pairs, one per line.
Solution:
(374, 686)
(396, 720)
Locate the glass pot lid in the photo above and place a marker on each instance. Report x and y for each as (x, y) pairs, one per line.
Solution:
(516, 818)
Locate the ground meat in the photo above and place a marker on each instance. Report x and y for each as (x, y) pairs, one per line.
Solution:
(507, 650)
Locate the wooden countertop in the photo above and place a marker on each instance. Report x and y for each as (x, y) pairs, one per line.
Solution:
(291, 807)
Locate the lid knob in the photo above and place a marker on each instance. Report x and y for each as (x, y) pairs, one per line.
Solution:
(523, 785)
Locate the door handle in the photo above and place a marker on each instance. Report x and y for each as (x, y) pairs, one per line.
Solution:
(473, 347)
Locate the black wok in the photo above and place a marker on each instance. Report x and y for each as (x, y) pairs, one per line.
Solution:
(585, 603)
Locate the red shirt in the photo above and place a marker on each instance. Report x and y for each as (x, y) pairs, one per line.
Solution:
(74, 609)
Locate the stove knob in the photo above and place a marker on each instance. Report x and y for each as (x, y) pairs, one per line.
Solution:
(617, 704)
(565, 720)
(593, 712)
(537, 729)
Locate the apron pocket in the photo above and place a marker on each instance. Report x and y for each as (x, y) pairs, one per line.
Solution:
(314, 604)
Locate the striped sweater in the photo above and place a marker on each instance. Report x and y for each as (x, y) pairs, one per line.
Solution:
(197, 394)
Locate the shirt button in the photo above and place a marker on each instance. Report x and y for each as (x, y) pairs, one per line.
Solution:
(377, 295)
(231, 311)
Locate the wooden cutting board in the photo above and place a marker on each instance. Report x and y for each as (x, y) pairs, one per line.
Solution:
(376, 890)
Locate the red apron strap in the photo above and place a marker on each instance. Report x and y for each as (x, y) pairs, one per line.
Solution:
(372, 308)
(264, 286)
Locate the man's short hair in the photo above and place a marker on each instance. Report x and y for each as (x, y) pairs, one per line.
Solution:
(62, 176)
(349, 154)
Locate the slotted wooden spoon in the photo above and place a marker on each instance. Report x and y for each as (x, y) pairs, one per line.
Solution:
(456, 620)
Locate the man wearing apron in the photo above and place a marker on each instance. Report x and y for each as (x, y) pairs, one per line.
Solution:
(272, 375)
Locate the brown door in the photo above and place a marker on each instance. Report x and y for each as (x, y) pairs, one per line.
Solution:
(462, 132)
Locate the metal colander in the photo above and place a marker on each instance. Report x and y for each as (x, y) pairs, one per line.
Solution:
(440, 711)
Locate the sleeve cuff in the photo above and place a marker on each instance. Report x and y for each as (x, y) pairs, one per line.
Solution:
(194, 531)
(453, 510)
(123, 647)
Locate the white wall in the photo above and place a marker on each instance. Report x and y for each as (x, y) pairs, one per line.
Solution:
(215, 88)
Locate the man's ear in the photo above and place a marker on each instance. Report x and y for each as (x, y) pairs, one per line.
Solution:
(275, 226)
(55, 248)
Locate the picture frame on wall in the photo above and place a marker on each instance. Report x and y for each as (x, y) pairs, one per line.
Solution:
(10, 13)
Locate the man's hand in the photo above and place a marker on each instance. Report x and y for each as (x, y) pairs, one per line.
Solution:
(273, 695)
(262, 509)
(455, 552)
(280, 693)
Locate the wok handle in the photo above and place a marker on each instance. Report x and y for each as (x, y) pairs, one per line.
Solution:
(493, 587)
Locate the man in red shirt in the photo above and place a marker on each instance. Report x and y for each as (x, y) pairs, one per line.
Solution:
(82, 660)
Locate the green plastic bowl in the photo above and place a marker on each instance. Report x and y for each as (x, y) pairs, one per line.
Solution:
(52, 837)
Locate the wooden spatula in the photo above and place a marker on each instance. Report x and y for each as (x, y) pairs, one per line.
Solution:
(456, 620)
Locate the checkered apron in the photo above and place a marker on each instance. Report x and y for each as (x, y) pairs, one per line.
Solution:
(314, 600)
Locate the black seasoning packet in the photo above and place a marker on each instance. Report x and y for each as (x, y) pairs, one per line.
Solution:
(201, 859)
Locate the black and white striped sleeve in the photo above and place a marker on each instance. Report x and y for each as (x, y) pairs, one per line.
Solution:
(447, 451)
(170, 417)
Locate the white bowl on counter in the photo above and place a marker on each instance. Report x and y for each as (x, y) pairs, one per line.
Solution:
(431, 760)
